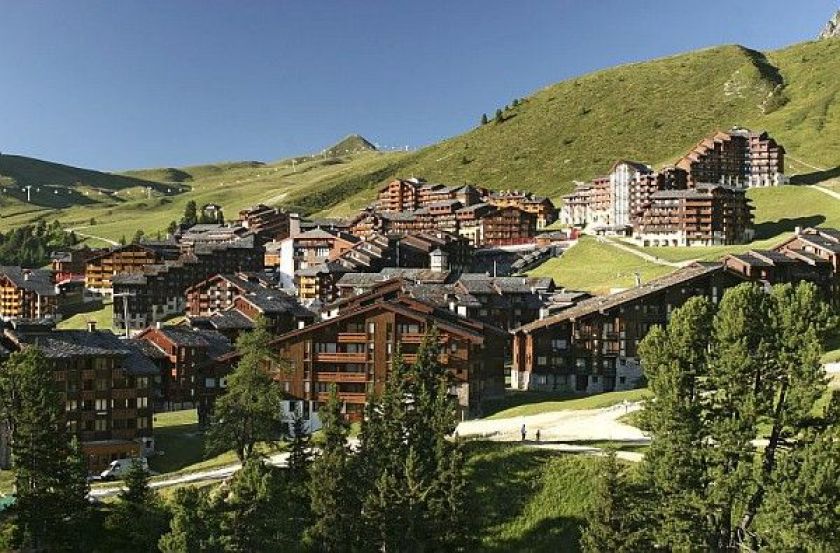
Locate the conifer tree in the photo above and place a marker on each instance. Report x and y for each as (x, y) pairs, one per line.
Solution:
(139, 520)
(51, 507)
(195, 524)
(190, 217)
(500, 116)
(484, 120)
(333, 484)
(249, 410)
(611, 526)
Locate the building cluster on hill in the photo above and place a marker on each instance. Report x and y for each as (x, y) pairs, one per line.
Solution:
(700, 201)
(482, 217)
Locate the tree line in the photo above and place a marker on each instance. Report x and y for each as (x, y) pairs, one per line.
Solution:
(30, 245)
(398, 487)
(746, 451)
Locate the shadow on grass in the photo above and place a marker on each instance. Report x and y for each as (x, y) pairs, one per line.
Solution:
(179, 446)
(816, 177)
(770, 229)
(503, 481)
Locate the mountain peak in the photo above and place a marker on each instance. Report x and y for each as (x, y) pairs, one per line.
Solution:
(351, 144)
(832, 28)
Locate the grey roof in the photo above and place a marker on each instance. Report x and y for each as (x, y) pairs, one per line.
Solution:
(38, 281)
(600, 304)
(67, 344)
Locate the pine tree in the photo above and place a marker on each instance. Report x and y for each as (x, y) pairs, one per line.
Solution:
(611, 526)
(195, 524)
(138, 236)
(172, 228)
(123, 240)
(249, 410)
(500, 116)
(50, 475)
(139, 520)
(484, 119)
(719, 382)
(190, 217)
(333, 484)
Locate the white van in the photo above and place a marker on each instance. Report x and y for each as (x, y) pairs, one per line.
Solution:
(119, 467)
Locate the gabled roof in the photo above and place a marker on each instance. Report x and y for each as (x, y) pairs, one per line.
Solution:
(604, 303)
(39, 281)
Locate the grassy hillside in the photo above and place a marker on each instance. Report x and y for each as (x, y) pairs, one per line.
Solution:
(527, 500)
(150, 199)
(652, 112)
(597, 267)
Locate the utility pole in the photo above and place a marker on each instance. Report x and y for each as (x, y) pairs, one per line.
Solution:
(125, 295)
(28, 193)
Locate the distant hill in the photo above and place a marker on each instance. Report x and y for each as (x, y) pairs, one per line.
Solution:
(351, 144)
(651, 112)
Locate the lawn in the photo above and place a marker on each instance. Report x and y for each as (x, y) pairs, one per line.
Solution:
(102, 313)
(519, 404)
(182, 446)
(524, 499)
(598, 267)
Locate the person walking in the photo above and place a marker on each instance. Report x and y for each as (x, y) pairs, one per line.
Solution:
(538, 435)
(524, 432)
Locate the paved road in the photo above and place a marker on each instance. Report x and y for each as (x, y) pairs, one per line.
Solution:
(559, 430)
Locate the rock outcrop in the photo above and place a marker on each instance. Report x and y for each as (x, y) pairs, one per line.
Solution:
(832, 28)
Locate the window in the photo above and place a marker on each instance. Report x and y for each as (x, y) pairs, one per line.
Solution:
(101, 425)
(142, 402)
(559, 343)
(209, 382)
(371, 328)
(321, 347)
(542, 360)
(101, 404)
(71, 405)
(223, 382)
(101, 384)
(142, 382)
(143, 422)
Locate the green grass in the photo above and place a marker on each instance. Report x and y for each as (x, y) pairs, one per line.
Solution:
(598, 267)
(182, 442)
(525, 499)
(100, 313)
(519, 404)
(651, 111)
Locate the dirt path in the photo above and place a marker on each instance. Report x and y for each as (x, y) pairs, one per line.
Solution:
(83, 235)
(641, 254)
(826, 191)
(560, 426)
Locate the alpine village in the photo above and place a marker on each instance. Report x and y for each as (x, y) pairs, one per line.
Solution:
(603, 320)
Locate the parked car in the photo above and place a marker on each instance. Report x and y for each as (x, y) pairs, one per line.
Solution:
(119, 467)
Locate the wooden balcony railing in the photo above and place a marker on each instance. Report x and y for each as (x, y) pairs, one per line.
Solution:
(348, 397)
(411, 358)
(340, 377)
(340, 357)
(417, 337)
(351, 337)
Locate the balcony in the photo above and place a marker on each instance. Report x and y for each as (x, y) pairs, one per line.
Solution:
(323, 376)
(341, 357)
(128, 393)
(411, 358)
(348, 397)
(352, 337)
(417, 338)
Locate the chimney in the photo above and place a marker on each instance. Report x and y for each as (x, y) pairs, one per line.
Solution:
(797, 231)
(91, 326)
(27, 275)
(158, 325)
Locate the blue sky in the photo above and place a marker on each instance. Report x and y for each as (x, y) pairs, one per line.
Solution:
(129, 84)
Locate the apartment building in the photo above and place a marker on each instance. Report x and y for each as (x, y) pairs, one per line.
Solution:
(354, 351)
(270, 223)
(180, 354)
(592, 346)
(122, 260)
(778, 267)
(541, 207)
(105, 386)
(706, 215)
(218, 292)
(28, 294)
(311, 248)
(159, 291)
(818, 243)
(508, 226)
(739, 158)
